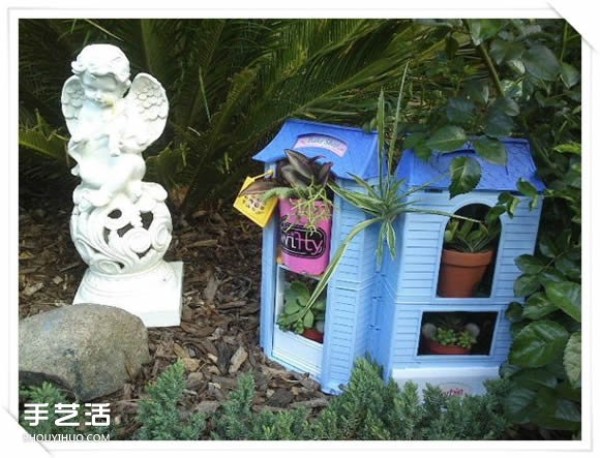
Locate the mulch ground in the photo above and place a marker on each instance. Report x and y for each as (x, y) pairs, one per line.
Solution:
(219, 333)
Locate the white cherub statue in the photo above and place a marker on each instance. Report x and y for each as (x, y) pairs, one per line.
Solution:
(109, 130)
(120, 225)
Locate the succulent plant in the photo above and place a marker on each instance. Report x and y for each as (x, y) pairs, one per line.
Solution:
(451, 330)
(297, 315)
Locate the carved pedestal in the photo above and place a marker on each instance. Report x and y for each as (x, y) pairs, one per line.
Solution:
(124, 243)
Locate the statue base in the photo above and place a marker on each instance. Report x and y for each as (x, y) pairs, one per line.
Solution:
(153, 295)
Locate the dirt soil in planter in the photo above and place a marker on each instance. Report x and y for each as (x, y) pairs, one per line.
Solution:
(219, 332)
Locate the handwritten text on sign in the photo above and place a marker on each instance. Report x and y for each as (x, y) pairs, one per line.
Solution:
(322, 141)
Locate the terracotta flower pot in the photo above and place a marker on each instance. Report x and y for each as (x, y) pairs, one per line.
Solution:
(313, 334)
(461, 273)
(303, 251)
(439, 349)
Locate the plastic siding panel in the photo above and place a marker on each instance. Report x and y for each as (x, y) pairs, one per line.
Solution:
(346, 333)
(268, 287)
(381, 324)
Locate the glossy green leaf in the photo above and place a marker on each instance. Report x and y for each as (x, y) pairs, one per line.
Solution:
(482, 29)
(518, 67)
(572, 359)
(568, 411)
(465, 173)
(478, 91)
(526, 188)
(505, 50)
(507, 106)
(491, 149)
(530, 264)
(460, 111)
(569, 74)
(533, 378)
(518, 404)
(551, 276)
(526, 285)
(567, 391)
(413, 140)
(548, 246)
(498, 124)
(567, 296)
(447, 138)
(537, 307)
(541, 63)
(569, 267)
(573, 148)
(514, 312)
(538, 344)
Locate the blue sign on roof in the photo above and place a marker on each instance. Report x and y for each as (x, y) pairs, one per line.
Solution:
(435, 173)
(352, 150)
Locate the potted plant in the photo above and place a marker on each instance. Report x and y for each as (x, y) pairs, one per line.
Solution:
(468, 250)
(304, 208)
(301, 317)
(451, 336)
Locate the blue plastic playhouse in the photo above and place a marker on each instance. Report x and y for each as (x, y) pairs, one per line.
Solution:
(380, 311)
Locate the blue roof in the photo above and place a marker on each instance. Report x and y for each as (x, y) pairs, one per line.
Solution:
(352, 150)
(494, 177)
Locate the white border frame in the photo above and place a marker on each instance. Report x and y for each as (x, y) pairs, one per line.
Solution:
(578, 13)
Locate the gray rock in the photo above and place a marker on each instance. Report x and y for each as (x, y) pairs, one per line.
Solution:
(89, 349)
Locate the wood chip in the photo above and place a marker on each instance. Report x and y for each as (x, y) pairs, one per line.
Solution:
(196, 330)
(194, 380)
(32, 289)
(210, 291)
(281, 398)
(191, 364)
(238, 359)
(203, 243)
(311, 403)
(180, 351)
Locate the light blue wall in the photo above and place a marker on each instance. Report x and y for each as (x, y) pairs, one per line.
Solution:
(410, 283)
(379, 312)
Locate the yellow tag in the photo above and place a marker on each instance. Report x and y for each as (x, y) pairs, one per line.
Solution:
(253, 207)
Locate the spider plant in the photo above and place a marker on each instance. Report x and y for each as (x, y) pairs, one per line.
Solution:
(383, 202)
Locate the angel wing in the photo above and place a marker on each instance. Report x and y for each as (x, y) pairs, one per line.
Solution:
(147, 108)
(72, 99)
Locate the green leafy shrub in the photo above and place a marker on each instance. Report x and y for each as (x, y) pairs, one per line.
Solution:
(371, 409)
(545, 360)
(50, 396)
(238, 421)
(368, 409)
(160, 416)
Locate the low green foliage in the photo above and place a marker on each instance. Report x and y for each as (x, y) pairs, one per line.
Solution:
(372, 409)
(49, 396)
(238, 421)
(297, 313)
(160, 415)
(368, 409)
